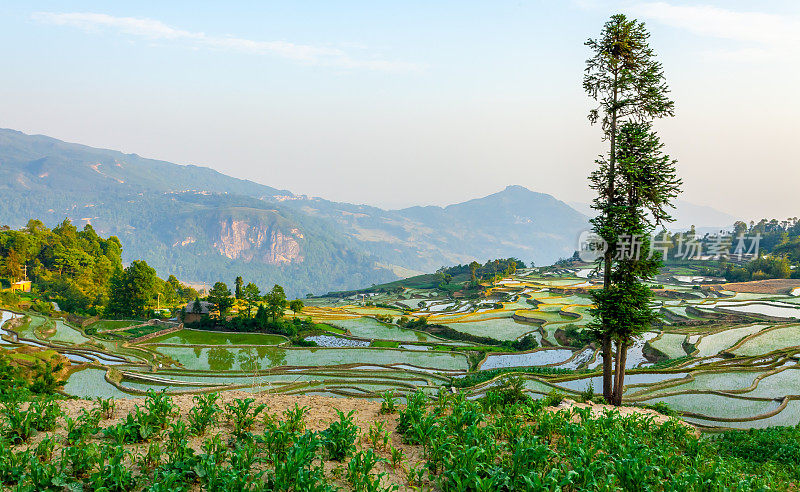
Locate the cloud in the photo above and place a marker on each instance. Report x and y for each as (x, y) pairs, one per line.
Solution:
(155, 30)
(762, 35)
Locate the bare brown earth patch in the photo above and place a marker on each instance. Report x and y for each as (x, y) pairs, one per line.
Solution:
(771, 286)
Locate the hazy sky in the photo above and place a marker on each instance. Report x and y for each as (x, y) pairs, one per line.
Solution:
(401, 103)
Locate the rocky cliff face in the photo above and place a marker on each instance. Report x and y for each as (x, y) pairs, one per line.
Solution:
(240, 240)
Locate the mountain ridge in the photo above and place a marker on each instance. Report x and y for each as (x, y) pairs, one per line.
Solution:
(203, 225)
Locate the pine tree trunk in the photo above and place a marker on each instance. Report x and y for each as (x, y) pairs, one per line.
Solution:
(608, 257)
(607, 366)
(622, 357)
(617, 357)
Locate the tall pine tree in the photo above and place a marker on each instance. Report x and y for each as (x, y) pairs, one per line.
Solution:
(628, 84)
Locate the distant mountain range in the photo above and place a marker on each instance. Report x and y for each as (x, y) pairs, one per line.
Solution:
(204, 226)
(686, 214)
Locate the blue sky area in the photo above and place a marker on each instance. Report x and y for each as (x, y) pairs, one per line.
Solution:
(401, 103)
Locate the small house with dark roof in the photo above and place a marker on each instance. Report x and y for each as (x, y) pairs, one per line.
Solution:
(195, 313)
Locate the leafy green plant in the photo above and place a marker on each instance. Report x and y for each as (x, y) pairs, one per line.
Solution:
(295, 418)
(359, 473)
(79, 429)
(277, 438)
(12, 465)
(396, 457)
(106, 406)
(44, 414)
(137, 427)
(243, 414)
(415, 408)
(378, 436)
(44, 450)
(388, 403)
(159, 408)
(340, 437)
(775, 444)
(415, 475)
(177, 440)
(19, 424)
(43, 475)
(296, 471)
(203, 413)
(113, 473)
(81, 459)
(150, 458)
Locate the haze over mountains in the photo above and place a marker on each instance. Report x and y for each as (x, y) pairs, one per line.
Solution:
(204, 226)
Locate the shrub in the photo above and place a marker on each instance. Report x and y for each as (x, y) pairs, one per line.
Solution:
(44, 377)
(554, 398)
(528, 342)
(587, 395)
(510, 391)
(662, 408)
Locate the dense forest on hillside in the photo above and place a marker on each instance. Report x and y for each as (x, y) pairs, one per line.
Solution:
(81, 271)
(72, 267)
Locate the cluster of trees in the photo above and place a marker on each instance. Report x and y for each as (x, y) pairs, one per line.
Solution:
(83, 272)
(779, 242)
(266, 317)
(261, 321)
(274, 301)
(778, 250)
(136, 291)
(489, 271)
(760, 269)
(69, 266)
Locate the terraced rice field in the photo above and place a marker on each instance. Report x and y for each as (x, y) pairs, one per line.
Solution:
(715, 385)
(718, 406)
(541, 357)
(373, 329)
(778, 310)
(67, 334)
(767, 341)
(501, 329)
(670, 344)
(262, 358)
(112, 324)
(200, 337)
(717, 342)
